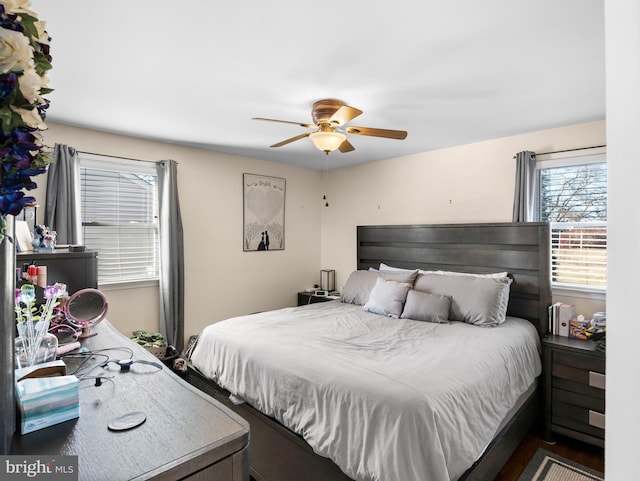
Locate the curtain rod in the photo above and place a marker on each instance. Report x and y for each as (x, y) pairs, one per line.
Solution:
(115, 156)
(568, 150)
(118, 157)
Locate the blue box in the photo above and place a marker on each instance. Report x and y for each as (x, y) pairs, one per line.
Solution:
(46, 396)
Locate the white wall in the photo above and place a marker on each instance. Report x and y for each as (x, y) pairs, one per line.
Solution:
(622, 34)
(468, 183)
(220, 279)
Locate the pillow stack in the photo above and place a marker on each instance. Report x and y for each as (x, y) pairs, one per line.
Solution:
(431, 296)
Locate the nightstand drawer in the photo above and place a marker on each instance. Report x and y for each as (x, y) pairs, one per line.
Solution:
(577, 397)
(578, 361)
(578, 419)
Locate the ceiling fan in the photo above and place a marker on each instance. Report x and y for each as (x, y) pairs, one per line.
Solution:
(329, 119)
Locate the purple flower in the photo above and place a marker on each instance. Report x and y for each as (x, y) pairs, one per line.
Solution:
(8, 83)
(50, 292)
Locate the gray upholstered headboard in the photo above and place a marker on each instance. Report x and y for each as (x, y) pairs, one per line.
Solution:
(521, 249)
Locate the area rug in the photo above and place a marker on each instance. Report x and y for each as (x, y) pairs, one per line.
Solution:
(547, 466)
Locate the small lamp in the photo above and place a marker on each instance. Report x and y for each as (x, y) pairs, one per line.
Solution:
(327, 141)
(328, 280)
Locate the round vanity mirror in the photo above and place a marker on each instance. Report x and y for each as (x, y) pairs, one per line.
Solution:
(85, 309)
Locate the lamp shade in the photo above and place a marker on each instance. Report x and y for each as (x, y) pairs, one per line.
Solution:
(327, 141)
(328, 280)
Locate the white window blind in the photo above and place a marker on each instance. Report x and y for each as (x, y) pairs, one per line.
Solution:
(572, 196)
(119, 205)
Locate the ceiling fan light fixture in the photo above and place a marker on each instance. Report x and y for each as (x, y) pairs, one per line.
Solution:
(327, 141)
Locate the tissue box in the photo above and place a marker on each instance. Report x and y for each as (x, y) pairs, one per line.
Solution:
(46, 396)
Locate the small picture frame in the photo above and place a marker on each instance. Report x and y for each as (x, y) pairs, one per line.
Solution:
(263, 214)
(23, 236)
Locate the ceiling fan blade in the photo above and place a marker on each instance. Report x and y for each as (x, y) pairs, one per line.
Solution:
(344, 114)
(292, 139)
(285, 122)
(388, 134)
(346, 146)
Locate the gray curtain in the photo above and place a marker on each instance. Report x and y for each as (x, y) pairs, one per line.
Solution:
(524, 197)
(61, 211)
(171, 256)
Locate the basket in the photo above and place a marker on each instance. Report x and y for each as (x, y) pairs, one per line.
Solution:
(158, 351)
(153, 342)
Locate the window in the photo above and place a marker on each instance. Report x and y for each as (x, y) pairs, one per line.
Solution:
(572, 196)
(119, 205)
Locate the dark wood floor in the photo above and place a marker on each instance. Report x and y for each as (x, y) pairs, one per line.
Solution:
(585, 454)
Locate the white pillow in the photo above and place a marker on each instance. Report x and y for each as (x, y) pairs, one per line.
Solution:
(495, 275)
(385, 267)
(387, 298)
(398, 275)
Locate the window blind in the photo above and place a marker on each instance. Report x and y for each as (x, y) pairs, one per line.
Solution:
(572, 196)
(579, 254)
(120, 217)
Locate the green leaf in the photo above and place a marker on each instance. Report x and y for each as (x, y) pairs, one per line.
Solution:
(42, 64)
(29, 24)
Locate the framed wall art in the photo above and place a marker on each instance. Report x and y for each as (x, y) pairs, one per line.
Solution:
(264, 198)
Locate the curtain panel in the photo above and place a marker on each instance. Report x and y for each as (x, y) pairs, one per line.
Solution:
(525, 187)
(61, 212)
(171, 256)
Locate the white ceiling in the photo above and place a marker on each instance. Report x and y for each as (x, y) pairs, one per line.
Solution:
(449, 72)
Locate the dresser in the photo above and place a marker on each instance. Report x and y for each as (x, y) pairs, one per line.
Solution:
(187, 434)
(75, 269)
(574, 373)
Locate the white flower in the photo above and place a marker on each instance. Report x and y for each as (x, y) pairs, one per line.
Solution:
(43, 36)
(17, 7)
(15, 52)
(30, 84)
(31, 117)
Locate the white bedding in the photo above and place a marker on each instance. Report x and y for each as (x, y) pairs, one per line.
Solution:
(385, 399)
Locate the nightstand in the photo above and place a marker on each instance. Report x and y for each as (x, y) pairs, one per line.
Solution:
(574, 377)
(305, 298)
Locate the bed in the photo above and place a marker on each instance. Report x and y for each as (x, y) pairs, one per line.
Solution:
(351, 384)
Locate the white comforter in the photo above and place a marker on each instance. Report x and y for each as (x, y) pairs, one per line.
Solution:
(385, 399)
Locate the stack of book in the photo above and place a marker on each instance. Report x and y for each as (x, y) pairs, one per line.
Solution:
(561, 316)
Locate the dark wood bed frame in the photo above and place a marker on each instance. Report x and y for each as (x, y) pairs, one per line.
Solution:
(521, 249)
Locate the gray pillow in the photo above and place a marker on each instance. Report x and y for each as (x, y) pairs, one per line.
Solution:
(358, 286)
(477, 300)
(387, 298)
(423, 306)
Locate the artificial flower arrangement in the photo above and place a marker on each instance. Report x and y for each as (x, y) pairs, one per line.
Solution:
(24, 62)
(154, 342)
(33, 323)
